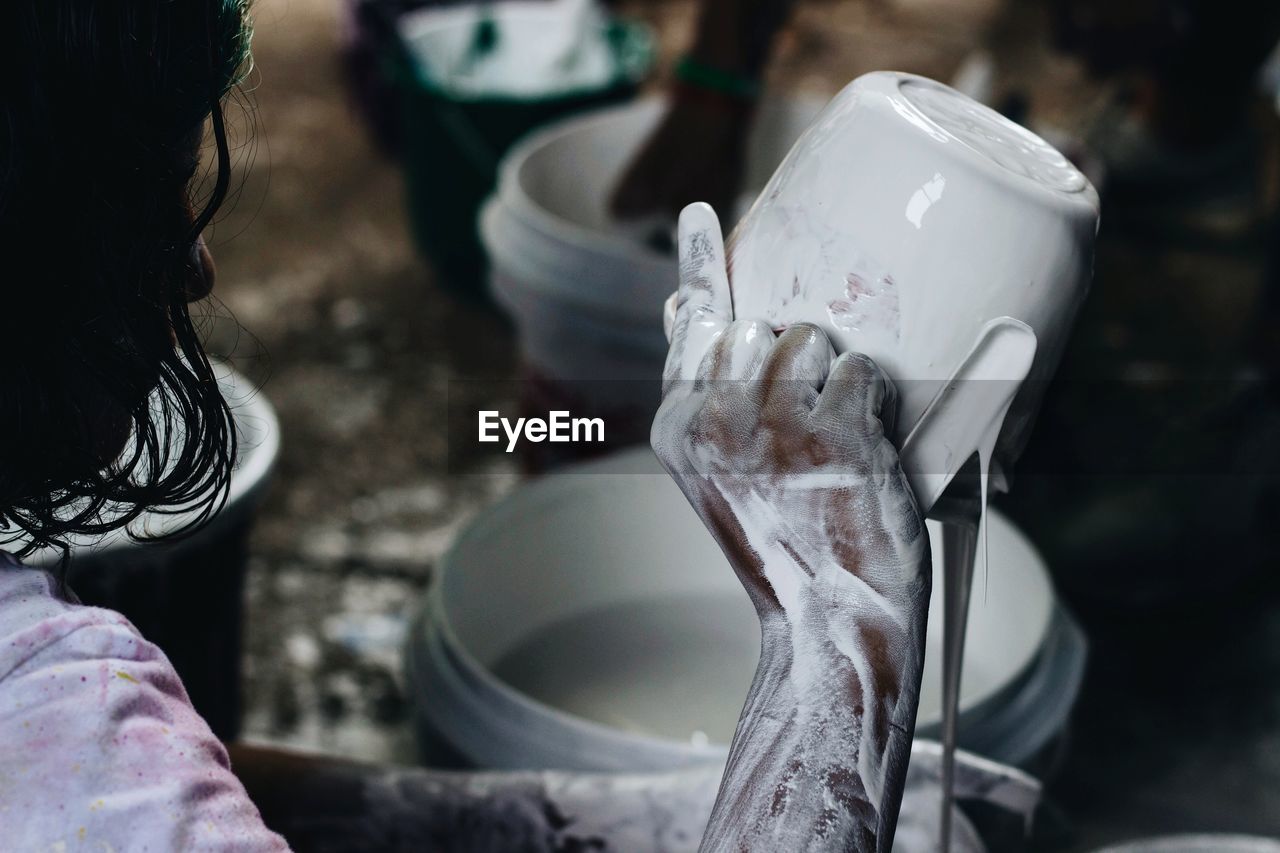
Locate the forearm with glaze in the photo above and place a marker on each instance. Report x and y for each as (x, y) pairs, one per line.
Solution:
(820, 756)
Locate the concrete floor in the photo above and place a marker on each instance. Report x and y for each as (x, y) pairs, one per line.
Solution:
(339, 320)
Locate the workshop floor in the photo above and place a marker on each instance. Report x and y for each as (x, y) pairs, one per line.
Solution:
(339, 319)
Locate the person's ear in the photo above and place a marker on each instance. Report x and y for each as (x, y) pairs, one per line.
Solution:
(201, 271)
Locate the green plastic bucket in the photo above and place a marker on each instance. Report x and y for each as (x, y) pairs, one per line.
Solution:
(457, 130)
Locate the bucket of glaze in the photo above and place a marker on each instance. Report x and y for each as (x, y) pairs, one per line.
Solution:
(463, 107)
(585, 291)
(187, 596)
(590, 622)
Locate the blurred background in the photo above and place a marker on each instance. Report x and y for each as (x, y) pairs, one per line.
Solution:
(354, 292)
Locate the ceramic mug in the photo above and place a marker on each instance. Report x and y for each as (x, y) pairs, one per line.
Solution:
(953, 246)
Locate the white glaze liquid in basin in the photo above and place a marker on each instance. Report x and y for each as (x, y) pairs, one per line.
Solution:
(676, 668)
(599, 593)
(696, 651)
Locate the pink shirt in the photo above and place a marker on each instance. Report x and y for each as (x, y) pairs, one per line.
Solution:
(100, 748)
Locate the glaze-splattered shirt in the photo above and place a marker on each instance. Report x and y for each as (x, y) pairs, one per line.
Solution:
(100, 748)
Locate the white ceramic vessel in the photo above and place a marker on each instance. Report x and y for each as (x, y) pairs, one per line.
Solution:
(953, 246)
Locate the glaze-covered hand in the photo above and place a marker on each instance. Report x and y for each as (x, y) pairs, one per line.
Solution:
(781, 449)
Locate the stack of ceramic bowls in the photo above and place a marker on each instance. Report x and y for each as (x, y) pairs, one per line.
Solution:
(590, 622)
(586, 291)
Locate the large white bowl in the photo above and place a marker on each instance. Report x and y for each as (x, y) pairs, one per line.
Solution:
(586, 291)
(590, 622)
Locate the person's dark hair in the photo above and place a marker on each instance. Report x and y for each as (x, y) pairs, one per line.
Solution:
(103, 106)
